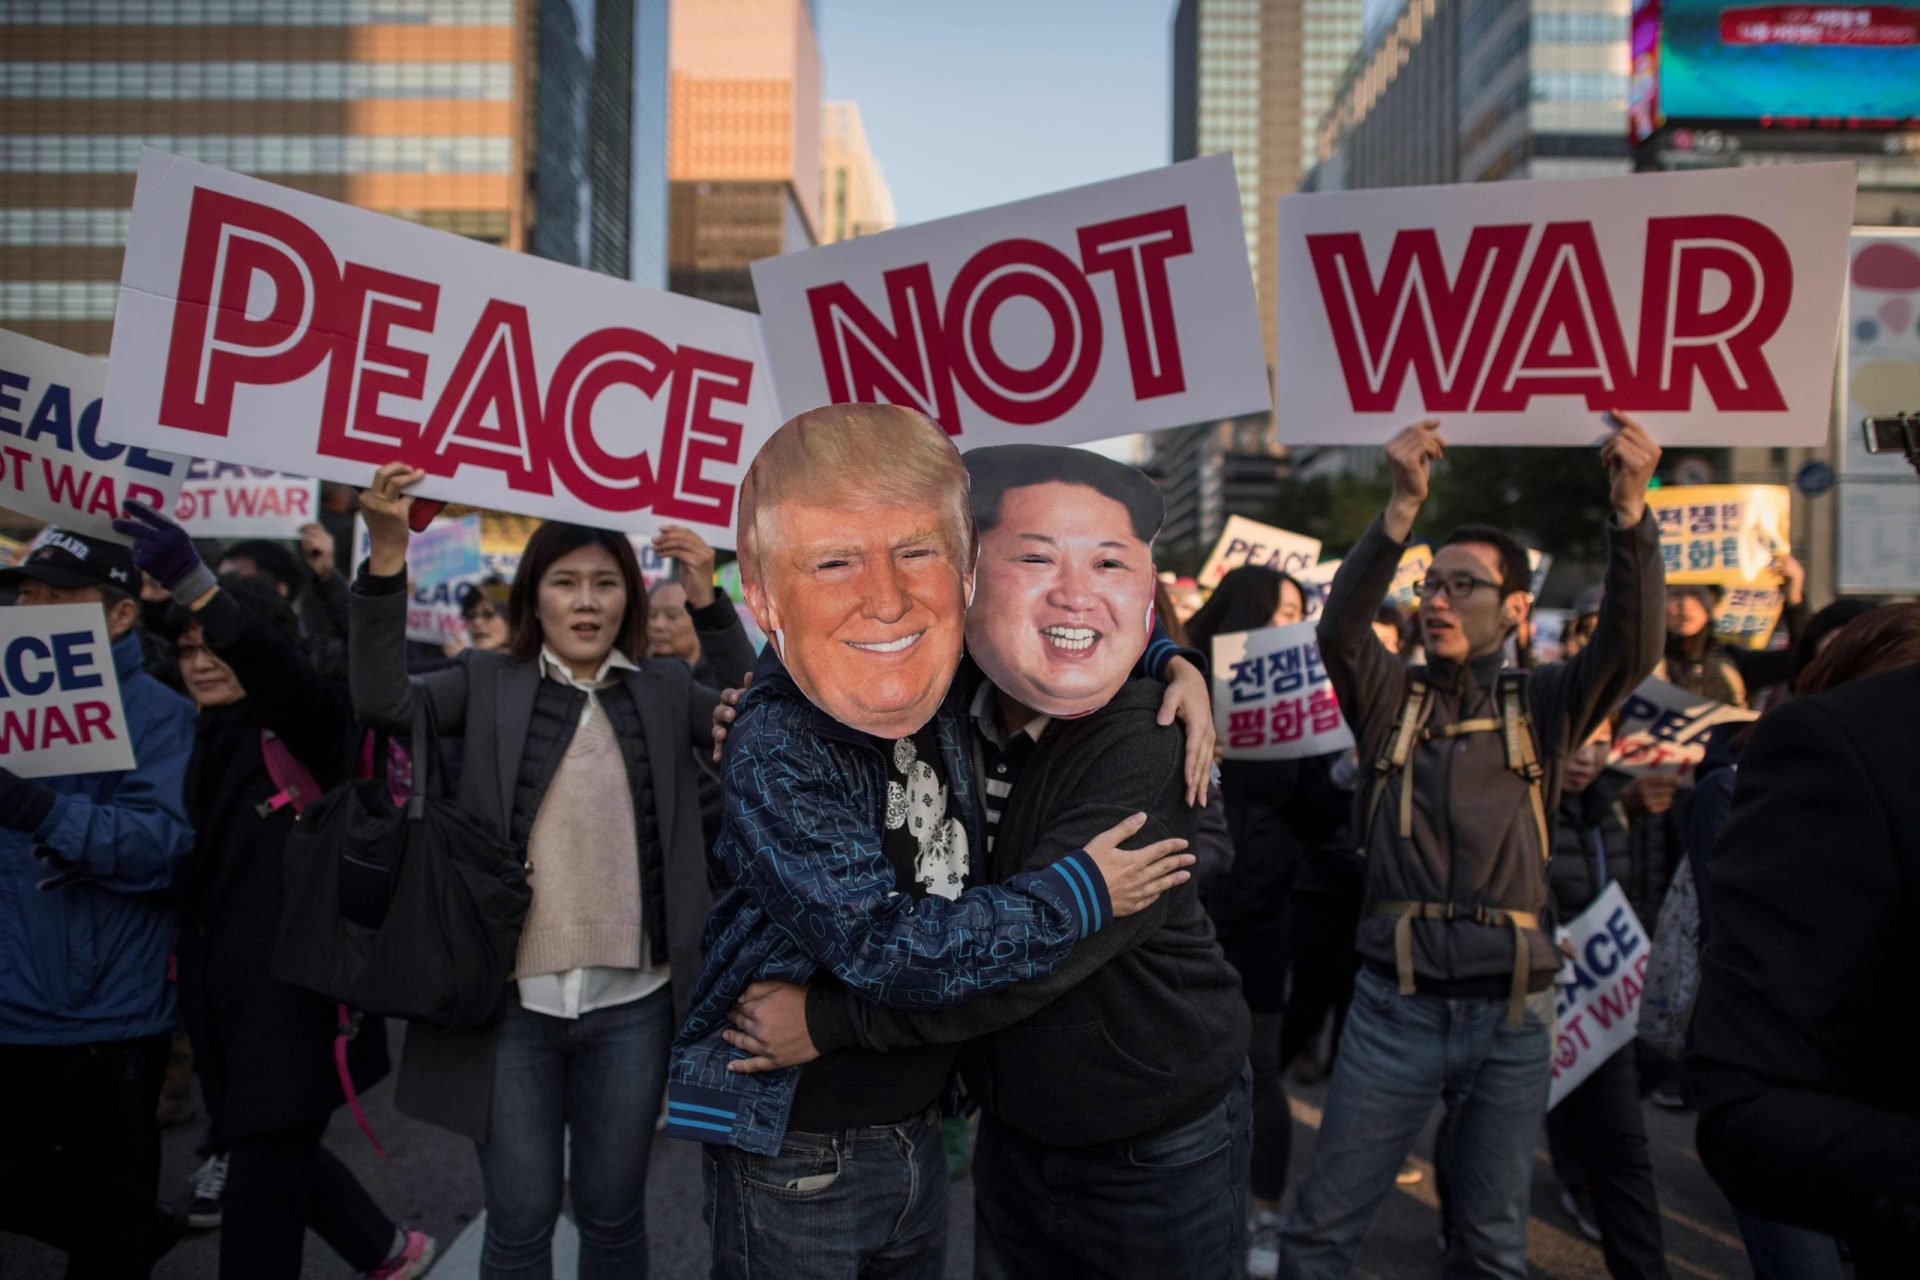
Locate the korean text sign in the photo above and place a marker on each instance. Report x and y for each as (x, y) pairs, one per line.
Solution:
(56, 466)
(1245, 542)
(1117, 307)
(1709, 303)
(60, 709)
(1600, 987)
(1720, 533)
(1747, 616)
(227, 500)
(1663, 730)
(1272, 699)
(264, 326)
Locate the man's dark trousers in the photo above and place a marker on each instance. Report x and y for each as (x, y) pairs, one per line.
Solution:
(1171, 1205)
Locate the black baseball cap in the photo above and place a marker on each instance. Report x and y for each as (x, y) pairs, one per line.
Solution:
(70, 560)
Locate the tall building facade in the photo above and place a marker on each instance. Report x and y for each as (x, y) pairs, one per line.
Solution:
(855, 199)
(532, 124)
(1393, 120)
(743, 149)
(1542, 89)
(1250, 77)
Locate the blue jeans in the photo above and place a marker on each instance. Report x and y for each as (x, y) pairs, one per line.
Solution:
(1398, 1056)
(1172, 1205)
(1782, 1251)
(866, 1203)
(601, 1077)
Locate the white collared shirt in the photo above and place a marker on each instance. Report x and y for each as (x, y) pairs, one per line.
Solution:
(578, 991)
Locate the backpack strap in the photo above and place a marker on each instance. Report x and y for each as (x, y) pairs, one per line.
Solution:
(1398, 756)
(1405, 913)
(1523, 757)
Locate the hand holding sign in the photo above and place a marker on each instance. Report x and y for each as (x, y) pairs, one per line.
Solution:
(316, 548)
(387, 509)
(1631, 456)
(165, 553)
(679, 543)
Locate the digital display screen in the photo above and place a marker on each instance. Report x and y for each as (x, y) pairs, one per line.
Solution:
(1806, 65)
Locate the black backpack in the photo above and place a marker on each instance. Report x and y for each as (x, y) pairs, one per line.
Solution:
(408, 911)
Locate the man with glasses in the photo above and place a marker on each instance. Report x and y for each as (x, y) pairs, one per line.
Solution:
(1463, 762)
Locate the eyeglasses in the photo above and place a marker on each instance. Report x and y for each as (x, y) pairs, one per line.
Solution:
(1458, 586)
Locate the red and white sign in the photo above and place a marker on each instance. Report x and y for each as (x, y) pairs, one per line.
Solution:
(1707, 304)
(1600, 986)
(1118, 307)
(61, 712)
(1248, 542)
(1272, 697)
(1663, 730)
(227, 500)
(265, 326)
(1874, 25)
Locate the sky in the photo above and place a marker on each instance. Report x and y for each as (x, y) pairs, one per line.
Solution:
(971, 103)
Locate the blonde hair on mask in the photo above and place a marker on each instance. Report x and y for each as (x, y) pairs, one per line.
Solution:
(854, 456)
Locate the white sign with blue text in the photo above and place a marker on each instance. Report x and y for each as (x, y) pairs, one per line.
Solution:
(60, 711)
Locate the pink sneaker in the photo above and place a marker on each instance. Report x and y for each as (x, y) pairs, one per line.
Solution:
(414, 1260)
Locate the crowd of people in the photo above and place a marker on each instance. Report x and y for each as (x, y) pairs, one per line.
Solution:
(948, 877)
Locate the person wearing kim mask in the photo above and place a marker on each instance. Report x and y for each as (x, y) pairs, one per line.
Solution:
(1115, 1134)
(851, 828)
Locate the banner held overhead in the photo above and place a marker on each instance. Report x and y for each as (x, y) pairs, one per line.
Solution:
(1117, 307)
(265, 326)
(1706, 304)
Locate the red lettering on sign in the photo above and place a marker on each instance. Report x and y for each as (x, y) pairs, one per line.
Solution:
(927, 349)
(1471, 341)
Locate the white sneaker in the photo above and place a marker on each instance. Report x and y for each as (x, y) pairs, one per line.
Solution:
(209, 1183)
(1263, 1246)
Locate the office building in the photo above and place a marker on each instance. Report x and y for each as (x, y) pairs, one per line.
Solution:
(743, 141)
(854, 197)
(537, 125)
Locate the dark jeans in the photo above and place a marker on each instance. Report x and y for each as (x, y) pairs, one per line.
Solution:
(599, 1077)
(1598, 1137)
(80, 1163)
(1320, 937)
(278, 1185)
(1272, 1115)
(859, 1204)
(1398, 1057)
(1173, 1205)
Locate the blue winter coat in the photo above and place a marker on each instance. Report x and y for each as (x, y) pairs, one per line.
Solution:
(806, 800)
(86, 962)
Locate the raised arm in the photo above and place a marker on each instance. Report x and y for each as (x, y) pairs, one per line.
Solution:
(383, 696)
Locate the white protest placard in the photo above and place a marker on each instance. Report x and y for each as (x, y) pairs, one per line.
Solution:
(260, 325)
(1272, 698)
(1539, 565)
(441, 559)
(227, 500)
(56, 466)
(1663, 730)
(1706, 304)
(1403, 594)
(1117, 307)
(1245, 542)
(1599, 989)
(60, 709)
(1877, 504)
(1721, 533)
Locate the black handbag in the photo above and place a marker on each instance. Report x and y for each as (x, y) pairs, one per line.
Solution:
(407, 910)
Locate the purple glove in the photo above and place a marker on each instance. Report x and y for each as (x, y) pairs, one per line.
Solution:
(163, 549)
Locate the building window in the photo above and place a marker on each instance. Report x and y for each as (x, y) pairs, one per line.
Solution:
(258, 81)
(258, 153)
(63, 227)
(260, 13)
(57, 299)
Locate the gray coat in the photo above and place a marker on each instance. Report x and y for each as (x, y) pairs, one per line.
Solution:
(446, 1077)
(1475, 842)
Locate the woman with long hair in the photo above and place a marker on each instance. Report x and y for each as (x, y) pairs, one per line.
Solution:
(1278, 813)
(577, 751)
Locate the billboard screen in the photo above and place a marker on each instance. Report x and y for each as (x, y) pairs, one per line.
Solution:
(1787, 65)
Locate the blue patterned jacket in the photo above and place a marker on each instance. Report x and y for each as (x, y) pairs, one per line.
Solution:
(806, 800)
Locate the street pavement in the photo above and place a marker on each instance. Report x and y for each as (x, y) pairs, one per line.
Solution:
(431, 1182)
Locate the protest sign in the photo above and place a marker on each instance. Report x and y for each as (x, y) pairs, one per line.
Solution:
(1600, 987)
(1721, 533)
(1663, 730)
(1877, 505)
(1272, 698)
(1747, 616)
(1316, 580)
(503, 540)
(1539, 565)
(1518, 312)
(261, 325)
(442, 559)
(61, 712)
(1245, 542)
(1414, 563)
(1117, 307)
(56, 466)
(1549, 634)
(227, 500)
